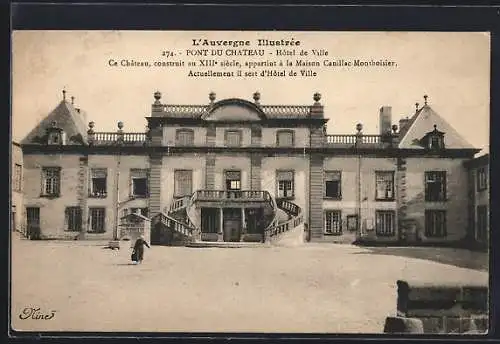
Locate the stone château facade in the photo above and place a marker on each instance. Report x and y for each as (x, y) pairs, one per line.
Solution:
(239, 170)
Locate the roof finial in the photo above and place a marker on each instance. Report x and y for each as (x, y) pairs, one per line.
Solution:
(64, 93)
(435, 127)
(211, 97)
(256, 97)
(72, 100)
(425, 99)
(416, 106)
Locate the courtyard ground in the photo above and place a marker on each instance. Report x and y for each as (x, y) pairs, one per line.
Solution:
(316, 288)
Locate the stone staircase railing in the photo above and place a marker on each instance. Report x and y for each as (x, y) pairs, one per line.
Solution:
(274, 230)
(175, 225)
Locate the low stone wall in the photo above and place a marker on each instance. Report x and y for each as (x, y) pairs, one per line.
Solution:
(440, 308)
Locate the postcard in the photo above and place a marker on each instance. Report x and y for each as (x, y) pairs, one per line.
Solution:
(250, 182)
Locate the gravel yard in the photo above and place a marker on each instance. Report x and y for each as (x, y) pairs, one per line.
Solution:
(323, 288)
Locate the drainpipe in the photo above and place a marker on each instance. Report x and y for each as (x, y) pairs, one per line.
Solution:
(359, 134)
(117, 204)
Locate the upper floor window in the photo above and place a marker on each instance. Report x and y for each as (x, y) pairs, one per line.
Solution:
(232, 138)
(98, 182)
(384, 185)
(285, 138)
(482, 179)
(333, 182)
(184, 137)
(183, 183)
(139, 183)
(435, 186)
(285, 184)
(51, 181)
(18, 177)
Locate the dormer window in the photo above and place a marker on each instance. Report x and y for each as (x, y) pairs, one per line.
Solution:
(55, 135)
(434, 140)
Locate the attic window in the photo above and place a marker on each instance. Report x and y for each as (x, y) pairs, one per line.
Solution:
(434, 140)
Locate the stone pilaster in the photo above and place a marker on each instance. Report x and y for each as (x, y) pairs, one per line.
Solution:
(155, 163)
(255, 172)
(83, 185)
(210, 171)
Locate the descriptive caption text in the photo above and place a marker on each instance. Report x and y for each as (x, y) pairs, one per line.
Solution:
(260, 58)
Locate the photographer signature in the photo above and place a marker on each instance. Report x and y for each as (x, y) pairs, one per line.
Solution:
(36, 314)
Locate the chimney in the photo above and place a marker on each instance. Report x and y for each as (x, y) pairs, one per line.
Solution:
(403, 122)
(385, 120)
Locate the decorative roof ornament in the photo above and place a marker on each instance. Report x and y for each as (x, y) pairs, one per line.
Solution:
(425, 99)
(64, 93)
(256, 97)
(157, 96)
(317, 97)
(212, 97)
(359, 128)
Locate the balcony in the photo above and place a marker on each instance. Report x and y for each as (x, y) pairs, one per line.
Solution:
(352, 139)
(113, 138)
(230, 197)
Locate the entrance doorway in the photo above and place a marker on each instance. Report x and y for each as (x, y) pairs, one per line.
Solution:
(33, 222)
(210, 220)
(232, 224)
(254, 220)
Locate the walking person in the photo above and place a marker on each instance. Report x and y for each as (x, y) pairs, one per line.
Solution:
(138, 252)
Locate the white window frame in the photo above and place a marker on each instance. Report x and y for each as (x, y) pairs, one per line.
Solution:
(97, 173)
(284, 186)
(333, 222)
(384, 186)
(51, 181)
(385, 223)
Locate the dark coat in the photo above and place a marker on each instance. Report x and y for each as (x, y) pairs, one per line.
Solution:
(139, 248)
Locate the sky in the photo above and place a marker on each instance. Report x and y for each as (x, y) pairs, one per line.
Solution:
(453, 69)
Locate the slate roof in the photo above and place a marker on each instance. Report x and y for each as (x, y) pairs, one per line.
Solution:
(422, 122)
(68, 118)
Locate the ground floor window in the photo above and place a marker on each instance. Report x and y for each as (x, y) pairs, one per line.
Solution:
(435, 223)
(97, 220)
(73, 219)
(333, 222)
(384, 223)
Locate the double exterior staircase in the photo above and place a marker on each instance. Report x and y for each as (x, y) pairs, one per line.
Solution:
(174, 227)
(278, 228)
